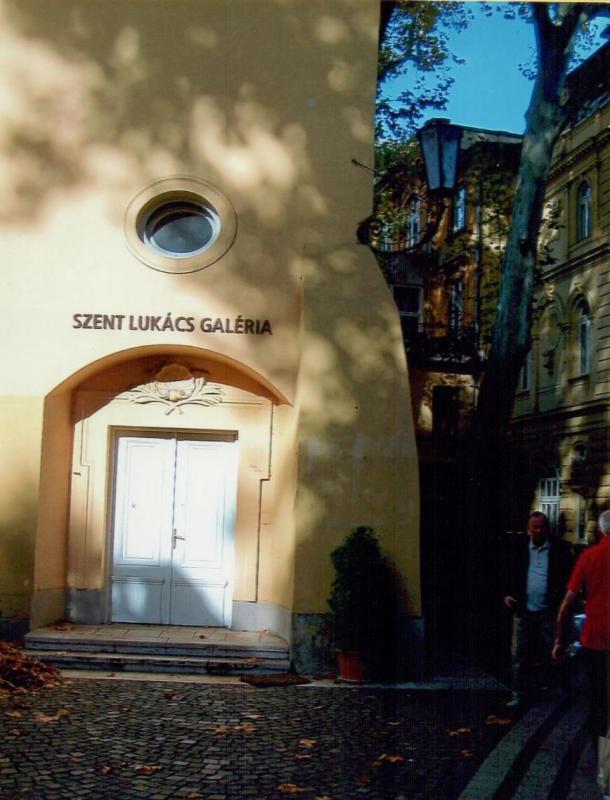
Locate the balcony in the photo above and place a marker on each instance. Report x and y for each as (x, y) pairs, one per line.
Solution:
(440, 347)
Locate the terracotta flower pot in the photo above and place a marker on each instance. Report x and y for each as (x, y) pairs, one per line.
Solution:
(351, 666)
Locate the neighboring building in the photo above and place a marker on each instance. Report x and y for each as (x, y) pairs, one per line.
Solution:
(442, 265)
(204, 384)
(561, 425)
(441, 259)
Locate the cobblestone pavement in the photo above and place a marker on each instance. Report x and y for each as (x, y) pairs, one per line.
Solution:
(128, 739)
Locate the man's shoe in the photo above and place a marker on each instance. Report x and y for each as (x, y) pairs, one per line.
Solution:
(515, 702)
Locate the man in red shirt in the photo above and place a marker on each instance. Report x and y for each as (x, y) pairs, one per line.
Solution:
(592, 573)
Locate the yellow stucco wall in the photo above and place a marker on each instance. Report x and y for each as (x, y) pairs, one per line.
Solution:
(21, 429)
(268, 101)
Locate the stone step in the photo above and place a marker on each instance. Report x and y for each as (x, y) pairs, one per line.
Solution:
(37, 644)
(183, 665)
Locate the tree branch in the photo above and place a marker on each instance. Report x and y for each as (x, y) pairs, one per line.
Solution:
(387, 7)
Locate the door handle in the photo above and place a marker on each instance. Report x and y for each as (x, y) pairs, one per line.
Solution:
(175, 538)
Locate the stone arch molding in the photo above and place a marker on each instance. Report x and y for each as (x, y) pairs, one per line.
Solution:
(578, 297)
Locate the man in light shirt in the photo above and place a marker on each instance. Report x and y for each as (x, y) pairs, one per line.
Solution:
(537, 571)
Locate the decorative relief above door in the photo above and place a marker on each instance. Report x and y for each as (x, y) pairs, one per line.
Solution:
(175, 386)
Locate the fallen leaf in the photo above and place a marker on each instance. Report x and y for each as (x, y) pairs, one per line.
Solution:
(193, 796)
(201, 636)
(452, 733)
(252, 716)
(147, 769)
(222, 731)
(303, 757)
(64, 626)
(464, 730)
(20, 674)
(105, 770)
(308, 742)
(62, 713)
(290, 788)
(172, 696)
(322, 797)
(493, 720)
(393, 724)
(467, 753)
(14, 714)
(389, 758)
(246, 727)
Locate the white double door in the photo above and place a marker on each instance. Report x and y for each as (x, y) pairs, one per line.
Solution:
(174, 511)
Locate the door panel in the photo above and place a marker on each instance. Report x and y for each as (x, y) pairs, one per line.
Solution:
(173, 530)
(203, 522)
(143, 516)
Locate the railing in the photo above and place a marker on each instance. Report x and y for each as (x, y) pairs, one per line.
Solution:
(399, 267)
(441, 344)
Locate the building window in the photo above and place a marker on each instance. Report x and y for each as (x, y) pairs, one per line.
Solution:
(583, 211)
(459, 209)
(413, 222)
(180, 228)
(583, 339)
(408, 300)
(582, 518)
(456, 306)
(180, 225)
(549, 493)
(525, 376)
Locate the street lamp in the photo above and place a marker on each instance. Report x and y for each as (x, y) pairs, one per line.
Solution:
(440, 143)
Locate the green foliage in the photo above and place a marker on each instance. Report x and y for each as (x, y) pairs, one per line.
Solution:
(416, 39)
(399, 166)
(363, 599)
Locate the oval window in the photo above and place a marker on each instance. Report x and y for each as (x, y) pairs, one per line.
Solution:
(180, 224)
(181, 228)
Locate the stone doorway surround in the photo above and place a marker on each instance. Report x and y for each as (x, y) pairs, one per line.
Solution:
(186, 392)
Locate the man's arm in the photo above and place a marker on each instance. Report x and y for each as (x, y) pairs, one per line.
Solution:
(560, 625)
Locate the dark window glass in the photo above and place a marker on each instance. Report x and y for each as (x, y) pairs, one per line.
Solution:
(445, 410)
(181, 228)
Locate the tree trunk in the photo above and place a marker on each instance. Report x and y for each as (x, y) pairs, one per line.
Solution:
(547, 115)
(511, 336)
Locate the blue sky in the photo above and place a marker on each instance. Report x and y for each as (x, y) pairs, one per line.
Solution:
(489, 90)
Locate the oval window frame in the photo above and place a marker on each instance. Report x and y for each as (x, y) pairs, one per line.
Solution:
(179, 188)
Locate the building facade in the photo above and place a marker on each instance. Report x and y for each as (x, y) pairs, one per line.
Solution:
(441, 257)
(204, 385)
(561, 425)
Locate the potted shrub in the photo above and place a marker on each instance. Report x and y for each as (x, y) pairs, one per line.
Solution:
(363, 606)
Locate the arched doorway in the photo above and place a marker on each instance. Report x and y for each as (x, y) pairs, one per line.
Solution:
(151, 490)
